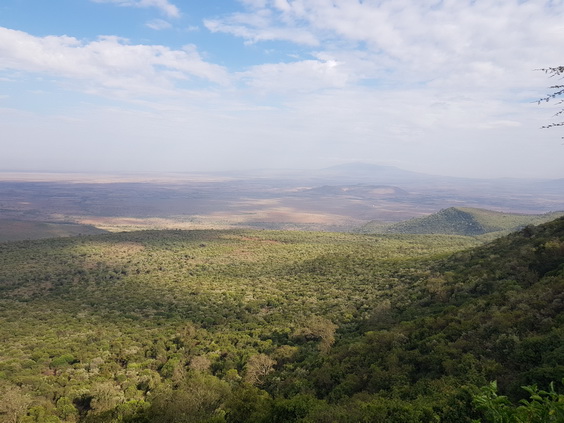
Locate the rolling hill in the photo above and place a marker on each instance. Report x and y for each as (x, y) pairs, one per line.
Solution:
(462, 221)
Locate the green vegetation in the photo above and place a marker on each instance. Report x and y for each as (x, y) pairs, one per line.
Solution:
(463, 221)
(269, 326)
(542, 406)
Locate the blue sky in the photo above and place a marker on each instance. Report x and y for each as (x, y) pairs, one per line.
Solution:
(443, 87)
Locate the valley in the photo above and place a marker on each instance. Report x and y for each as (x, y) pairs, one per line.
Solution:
(281, 211)
(260, 326)
(326, 297)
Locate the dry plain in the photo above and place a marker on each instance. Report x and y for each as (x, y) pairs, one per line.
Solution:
(337, 199)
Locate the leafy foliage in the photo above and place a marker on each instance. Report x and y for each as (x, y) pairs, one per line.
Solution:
(263, 326)
(541, 407)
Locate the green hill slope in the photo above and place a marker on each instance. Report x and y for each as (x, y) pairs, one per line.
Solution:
(266, 326)
(493, 312)
(463, 221)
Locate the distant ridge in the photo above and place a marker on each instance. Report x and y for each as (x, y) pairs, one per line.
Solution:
(372, 173)
(463, 221)
(363, 167)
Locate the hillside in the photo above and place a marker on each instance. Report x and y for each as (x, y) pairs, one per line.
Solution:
(462, 221)
(493, 312)
(266, 326)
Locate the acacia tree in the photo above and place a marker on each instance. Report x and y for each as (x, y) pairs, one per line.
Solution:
(558, 90)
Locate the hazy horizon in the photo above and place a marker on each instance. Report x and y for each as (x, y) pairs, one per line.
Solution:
(442, 88)
(347, 170)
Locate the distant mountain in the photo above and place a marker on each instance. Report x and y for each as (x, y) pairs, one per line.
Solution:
(463, 221)
(379, 174)
(372, 173)
(359, 167)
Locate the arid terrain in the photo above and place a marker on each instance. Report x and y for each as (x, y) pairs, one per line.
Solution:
(337, 199)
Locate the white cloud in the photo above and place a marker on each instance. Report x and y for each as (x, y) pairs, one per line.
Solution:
(260, 26)
(109, 63)
(164, 6)
(158, 24)
(433, 85)
(295, 78)
(401, 58)
(266, 33)
(419, 40)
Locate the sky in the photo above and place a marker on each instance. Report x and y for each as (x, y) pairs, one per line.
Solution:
(446, 87)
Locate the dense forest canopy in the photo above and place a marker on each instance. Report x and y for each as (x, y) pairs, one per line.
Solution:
(267, 326)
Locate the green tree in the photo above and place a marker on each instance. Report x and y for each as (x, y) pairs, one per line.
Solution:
(197, 399)
(105, 396)
(248, 404)
(66, 409)
(541, 407)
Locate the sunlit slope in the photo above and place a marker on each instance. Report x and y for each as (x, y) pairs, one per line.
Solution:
(192, 274)
(463, 221)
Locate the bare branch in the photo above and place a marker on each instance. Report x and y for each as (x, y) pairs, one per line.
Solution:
(552, 72)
